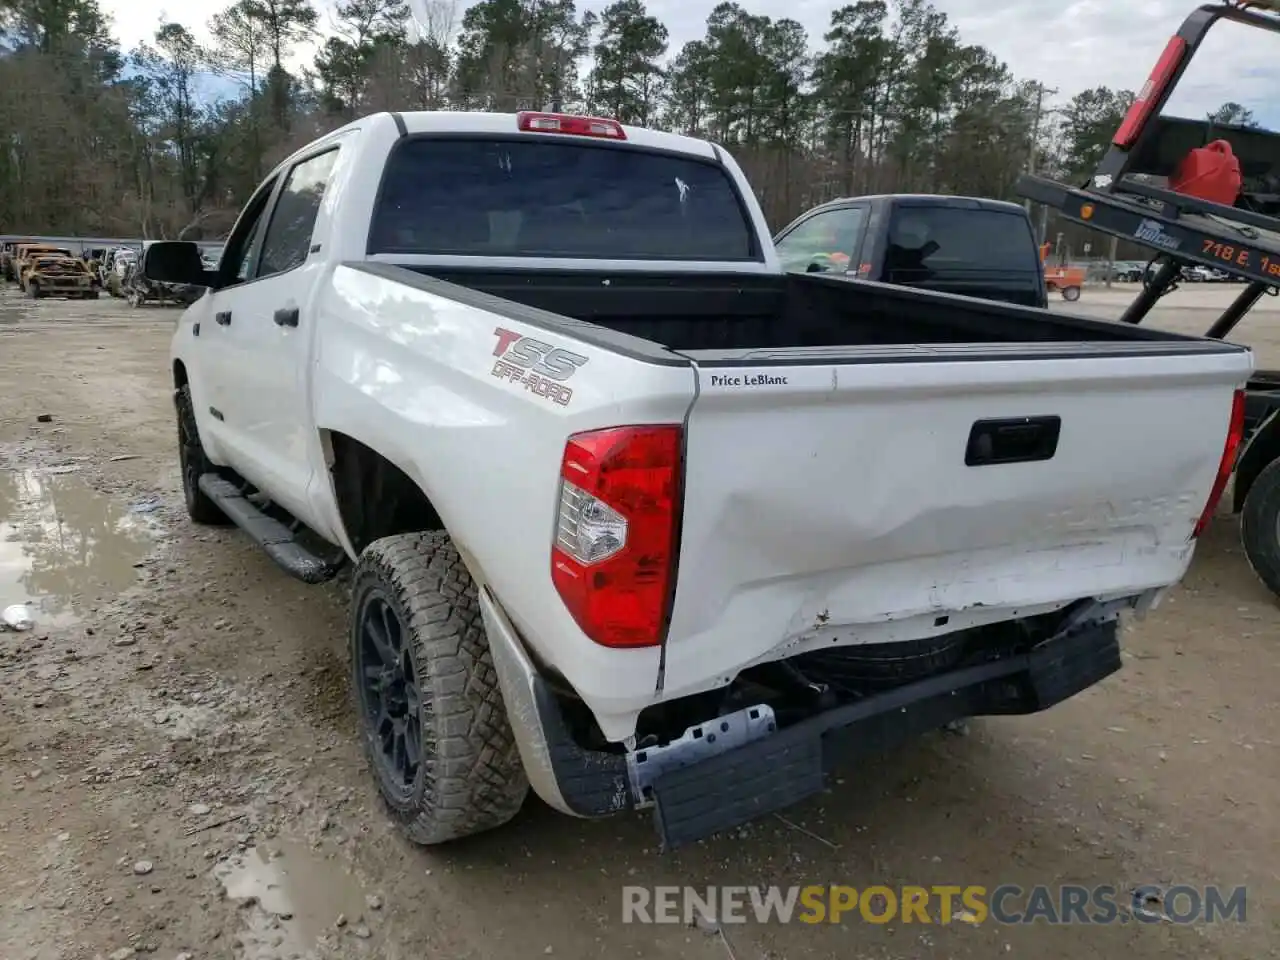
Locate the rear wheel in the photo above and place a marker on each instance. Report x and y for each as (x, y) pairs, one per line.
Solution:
(434, 725)
(194, 464)
(1260, 526)
(1071, 294)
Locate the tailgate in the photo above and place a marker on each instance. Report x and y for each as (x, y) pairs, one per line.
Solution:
(830, 502)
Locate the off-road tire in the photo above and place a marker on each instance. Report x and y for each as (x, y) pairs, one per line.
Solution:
(1260, 526)
(193, 464)
(470, 778)
(33, 290)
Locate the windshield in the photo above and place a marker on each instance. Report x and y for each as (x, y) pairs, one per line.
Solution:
(549, 198)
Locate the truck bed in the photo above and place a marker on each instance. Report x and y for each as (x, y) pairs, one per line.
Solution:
(736, 312)
(862, 463)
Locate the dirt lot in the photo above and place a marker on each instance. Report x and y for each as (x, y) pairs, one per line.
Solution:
(180, 776)
(1192, 309)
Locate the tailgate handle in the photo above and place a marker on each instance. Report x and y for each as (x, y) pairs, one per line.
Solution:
(1013, 440)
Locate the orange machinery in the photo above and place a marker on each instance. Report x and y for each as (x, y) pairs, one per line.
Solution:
(1066, 280)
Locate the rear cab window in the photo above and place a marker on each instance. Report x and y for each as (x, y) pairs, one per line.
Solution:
(531, 197)
(926, 241)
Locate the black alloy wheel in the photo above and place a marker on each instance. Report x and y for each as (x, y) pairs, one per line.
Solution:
(387, 679)
(193, 463)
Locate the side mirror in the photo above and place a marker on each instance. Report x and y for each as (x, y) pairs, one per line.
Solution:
(176, 261)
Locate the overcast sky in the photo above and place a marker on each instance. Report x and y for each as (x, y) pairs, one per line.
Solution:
(1069, 45)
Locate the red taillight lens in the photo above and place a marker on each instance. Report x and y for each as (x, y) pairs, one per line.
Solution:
(1235, 436)
(1150, 94)
(566, 123)
(614, 556)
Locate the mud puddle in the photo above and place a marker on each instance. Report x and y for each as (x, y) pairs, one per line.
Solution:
(297, 899)
(61, 542)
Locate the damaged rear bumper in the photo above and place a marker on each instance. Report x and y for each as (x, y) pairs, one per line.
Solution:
(777, 768)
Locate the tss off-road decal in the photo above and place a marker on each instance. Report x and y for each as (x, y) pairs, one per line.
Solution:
(539, 367)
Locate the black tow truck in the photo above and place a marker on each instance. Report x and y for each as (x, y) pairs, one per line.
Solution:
(1141, 192)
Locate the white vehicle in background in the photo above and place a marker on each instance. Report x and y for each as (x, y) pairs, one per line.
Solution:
(1199, 274)
(115, 268)
(637, 517)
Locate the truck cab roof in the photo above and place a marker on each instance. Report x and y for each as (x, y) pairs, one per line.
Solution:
(418, 122)
(523, 203)
(926, 199)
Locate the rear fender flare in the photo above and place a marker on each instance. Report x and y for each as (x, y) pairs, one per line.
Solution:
(407, 466)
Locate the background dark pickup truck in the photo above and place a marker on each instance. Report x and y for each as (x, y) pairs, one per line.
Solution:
(965, 245)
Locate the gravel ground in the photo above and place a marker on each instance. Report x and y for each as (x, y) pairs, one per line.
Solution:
(180, 776)
(1192, 308)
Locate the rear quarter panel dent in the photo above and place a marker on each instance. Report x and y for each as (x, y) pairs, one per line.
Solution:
(412, 375)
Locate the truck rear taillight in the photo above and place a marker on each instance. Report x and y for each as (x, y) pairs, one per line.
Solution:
(1235, 436)
(614, 557)
(1149, 96)
(531, 122)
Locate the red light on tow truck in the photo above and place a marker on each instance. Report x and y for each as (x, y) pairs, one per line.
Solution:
(605, 129)
(1151, 92)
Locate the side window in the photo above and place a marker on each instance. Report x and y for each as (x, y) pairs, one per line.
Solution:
(288, 238)
(824, 243)
(237, 260)
(252, 241)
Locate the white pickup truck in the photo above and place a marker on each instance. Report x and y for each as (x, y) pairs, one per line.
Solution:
(636, 517)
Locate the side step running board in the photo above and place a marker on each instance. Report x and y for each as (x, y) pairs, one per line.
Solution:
(272, 535)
